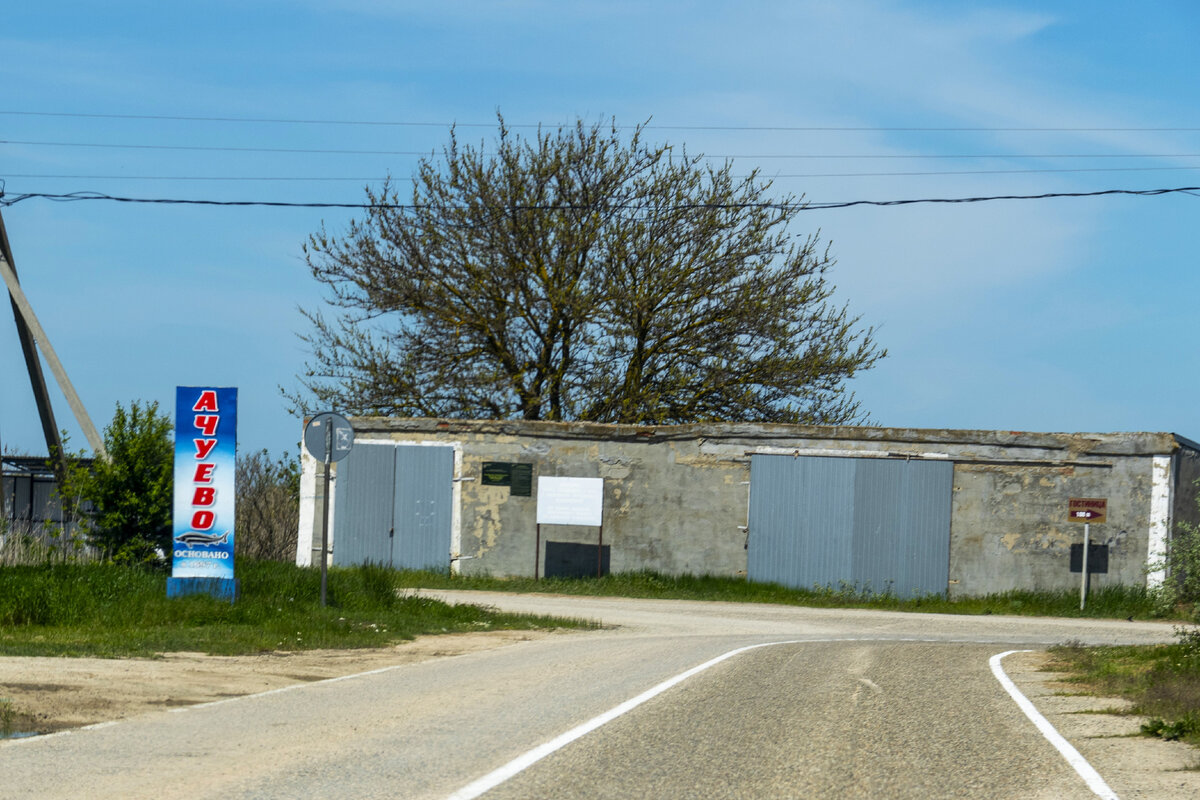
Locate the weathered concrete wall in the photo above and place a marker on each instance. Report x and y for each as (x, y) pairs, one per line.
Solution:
(1010, 528)
(668, 507)
(676, 497)
(1187, 469)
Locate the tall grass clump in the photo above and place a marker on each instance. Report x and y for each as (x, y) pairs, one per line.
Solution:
(29, 542)
(1106, 602)
(73, 594)
(108, 609)
(1162, 681)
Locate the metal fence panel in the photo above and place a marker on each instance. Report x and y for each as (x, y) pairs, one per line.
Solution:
(18, 497)
(47, 507)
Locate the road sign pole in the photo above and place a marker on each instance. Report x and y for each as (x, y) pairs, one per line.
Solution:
(328, 437)
(1084, 582)
(325, 524)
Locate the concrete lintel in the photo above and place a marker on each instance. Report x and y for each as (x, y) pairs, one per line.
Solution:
(1072, 445)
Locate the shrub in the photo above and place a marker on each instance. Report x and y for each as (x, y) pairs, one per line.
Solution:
(268, 506)
(131, 490)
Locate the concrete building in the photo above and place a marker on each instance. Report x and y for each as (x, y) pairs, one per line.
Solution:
(885, 509)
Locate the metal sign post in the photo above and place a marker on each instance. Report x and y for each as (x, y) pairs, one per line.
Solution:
(325, 514)
(1086, 510)
(1083, 582)
(328, 437)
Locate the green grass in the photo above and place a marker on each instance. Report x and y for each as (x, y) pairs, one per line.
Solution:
(1162, 681)
(1117, 602)
(8, 718)
(113, 611)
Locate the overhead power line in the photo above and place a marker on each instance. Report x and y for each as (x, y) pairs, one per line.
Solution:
(301, 178)
(799, 206)
(220, 148)
(768, 128)
(215, 178)
(831, 156)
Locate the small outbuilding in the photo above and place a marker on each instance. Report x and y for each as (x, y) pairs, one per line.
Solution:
(899, 510)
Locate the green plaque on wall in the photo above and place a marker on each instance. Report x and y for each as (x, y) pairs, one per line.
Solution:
(497, 473)
(522, 480)
(518, 477)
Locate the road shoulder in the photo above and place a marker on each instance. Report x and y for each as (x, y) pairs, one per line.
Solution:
(1134, 766)
(54, 694)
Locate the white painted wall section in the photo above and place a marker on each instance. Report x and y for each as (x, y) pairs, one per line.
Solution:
(1160, 521)
(310, 476)
(308, 502)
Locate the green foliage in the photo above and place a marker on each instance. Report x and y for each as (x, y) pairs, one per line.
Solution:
(1162, 681)
(268, 506)
(110, 610)
(377, 589)
(1180, 591)
(1186, 726)
(131, 491)
(1109, 602)
(582, 274)
(13, 722)
(8, 718)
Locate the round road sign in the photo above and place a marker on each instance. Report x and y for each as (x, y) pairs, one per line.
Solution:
(328, 436)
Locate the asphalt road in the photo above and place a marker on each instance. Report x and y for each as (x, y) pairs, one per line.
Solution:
(806, 721)
(858, 704)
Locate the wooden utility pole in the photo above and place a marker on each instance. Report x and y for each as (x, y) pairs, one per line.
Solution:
(33, 336)
(34, 365)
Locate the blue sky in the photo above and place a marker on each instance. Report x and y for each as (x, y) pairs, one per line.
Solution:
(1052, 315)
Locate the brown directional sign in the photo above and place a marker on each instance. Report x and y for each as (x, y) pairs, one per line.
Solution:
(1087, 509)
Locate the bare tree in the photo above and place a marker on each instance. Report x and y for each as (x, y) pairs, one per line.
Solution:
(581, 274)
(268, 506)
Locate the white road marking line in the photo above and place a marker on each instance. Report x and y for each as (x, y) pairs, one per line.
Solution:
(523, 762)
(282, 689)
(528, 759)
(1077, 761)
(295, 686)
(546, 749)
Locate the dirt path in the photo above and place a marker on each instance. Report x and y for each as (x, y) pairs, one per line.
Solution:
(50, 694)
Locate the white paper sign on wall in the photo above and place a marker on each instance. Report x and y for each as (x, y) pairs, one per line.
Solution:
(570, 501)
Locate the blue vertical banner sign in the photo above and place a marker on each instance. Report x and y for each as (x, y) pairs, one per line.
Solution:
(205, 453)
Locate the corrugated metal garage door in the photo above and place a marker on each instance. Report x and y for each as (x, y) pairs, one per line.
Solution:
(875, 524)
(393, 506)
(424, 489)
